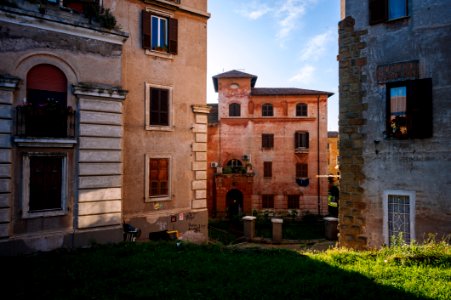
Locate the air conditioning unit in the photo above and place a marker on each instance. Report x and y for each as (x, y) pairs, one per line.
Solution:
(214, 164)
(246, 157)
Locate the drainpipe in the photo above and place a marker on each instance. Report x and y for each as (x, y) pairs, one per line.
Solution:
(318, 168)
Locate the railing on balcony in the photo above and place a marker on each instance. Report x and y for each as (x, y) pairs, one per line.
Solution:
(301, 150)
(50, 122)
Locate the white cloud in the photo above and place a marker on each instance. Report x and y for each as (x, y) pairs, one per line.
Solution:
(255, 10)
(287, 13)
(316, 46)
(305, 75)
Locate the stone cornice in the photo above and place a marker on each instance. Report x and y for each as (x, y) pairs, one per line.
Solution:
(54, 24)
(8, 82)
(176, 5)
(92, 90)
(201, 109)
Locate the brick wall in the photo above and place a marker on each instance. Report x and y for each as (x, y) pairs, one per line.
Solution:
(351, 61)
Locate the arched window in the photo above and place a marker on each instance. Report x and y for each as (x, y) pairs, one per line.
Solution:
(234, 110)
(234, 166)
(46, 113)
(301, 110)
(267, 110)
(46, 84)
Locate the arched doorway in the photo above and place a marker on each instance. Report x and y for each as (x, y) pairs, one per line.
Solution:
(234, 202)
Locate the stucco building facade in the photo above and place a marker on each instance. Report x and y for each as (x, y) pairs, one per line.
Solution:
(77, 161)
(165, 116)
(266, 147)
(61, 103)
(394, 121)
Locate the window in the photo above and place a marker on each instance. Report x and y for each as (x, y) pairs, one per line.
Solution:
(301, 110)
(44, 184)
(385, 10)
(234, 110)
(267, 169)
(409, 109)
(399, 215)
(293, 201)
(159, 33)
(301, 139)
(267, 140)
(46, 113)
(158, 174)
(234, 166)
(158, 111)
(267, 201)
(267, 110)
(301, 170)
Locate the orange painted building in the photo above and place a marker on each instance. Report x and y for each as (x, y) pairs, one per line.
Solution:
(266, 148)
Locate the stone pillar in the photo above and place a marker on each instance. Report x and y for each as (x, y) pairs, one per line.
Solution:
(352, 77)
(8, 85)
(99, 156)
(249, 227)
(276, 230)
(199, 184)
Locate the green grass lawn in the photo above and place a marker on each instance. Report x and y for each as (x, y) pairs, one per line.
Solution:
(163, 270)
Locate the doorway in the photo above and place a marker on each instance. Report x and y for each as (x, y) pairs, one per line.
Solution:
(234, 201)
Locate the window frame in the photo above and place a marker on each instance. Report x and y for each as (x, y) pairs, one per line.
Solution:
(148, 126)
(267, 169)
(299, 141)
(379, 11)
(419, 114)
(267, 141)
(267, 201)
(267, 110)
(25, 186)
(234, 110)
(291, 199)
(171, 33)
(301, 110)
(412, 203)
(157, 198)
(301, 170)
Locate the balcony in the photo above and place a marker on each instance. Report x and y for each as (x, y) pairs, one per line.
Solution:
(301, 150)
(45, 122)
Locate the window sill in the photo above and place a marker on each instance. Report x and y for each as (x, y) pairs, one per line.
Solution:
(160, 128)
(160, 54)
(48, 213)
(45, 142)
(397, 20)
(157, 199)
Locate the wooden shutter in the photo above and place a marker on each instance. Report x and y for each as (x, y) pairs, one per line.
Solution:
(419, 108)
(378, 11)
(146, 36)
(173, 33)
(267, 169)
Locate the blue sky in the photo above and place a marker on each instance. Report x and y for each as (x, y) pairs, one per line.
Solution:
(286, 43)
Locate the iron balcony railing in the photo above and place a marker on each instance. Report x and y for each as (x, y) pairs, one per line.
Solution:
(52, 122)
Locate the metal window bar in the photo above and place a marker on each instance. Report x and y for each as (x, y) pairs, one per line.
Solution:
(399, 217)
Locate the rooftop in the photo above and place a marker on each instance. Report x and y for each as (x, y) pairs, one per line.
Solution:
(266, 91)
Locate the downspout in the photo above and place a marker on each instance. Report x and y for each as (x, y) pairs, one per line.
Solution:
(318, 167)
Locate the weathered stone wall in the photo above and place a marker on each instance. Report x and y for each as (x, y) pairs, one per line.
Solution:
(7, 90)
(99, 157)
(92, 164)
(351, 120)
(414, 47)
